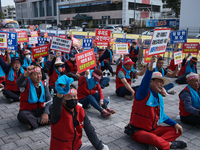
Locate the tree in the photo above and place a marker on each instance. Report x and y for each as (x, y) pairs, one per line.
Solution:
(174, 5)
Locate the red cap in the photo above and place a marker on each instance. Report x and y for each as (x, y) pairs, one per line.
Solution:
(128, 61)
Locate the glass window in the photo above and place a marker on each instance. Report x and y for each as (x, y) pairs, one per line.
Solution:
(48, 8)
(113, 21)
(109, 21)
(41, 3)
(54, 6)
(35, 8)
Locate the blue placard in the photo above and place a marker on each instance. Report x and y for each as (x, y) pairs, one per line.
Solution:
(178, 36)
(147, 42)
(87, 44)
(12, 41)
(79, 36)
(41, 40)
(172, 49)
(121, 40)
(162, 23)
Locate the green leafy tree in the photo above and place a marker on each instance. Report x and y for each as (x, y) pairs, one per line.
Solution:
(174, 5)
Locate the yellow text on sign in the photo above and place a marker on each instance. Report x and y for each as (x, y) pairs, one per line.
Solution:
(88, 64)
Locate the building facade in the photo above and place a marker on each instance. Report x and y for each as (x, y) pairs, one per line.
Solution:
(94, 12)
(9, 13)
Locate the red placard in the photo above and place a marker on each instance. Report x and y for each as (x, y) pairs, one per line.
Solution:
(31, 27)
(63, 36)
(46, 34)
(40, 51)
(85, 60)
(190, 47)
(147, 58)
(34, 34)
(102, 37)
(22, 36)
(112, 40)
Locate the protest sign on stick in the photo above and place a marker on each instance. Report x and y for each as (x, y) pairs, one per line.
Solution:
(102, 37)
(191, 48)
(147, 58)
(33, 40)
(34, 34)
(87, 43)
(22, 37)
(40, 51)
(45, 34)
(121, 48)
(178, 57)
(85, 60)
(3, 40)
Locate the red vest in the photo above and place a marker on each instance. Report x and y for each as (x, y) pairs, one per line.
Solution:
(119, 67)
(132, 53)
(73, 68)
(64, 136)
(172, 66)
(24, 105)
(144, 116)
(97, 66)
(182, 71)
(119, 82)
(11, 85)
(54, 77)
(2, 79)
(183, 112)
(83, 90)
(4, 58)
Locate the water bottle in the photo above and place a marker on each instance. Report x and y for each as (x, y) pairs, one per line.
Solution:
(52, 93)
(106, 73)
(108, 99)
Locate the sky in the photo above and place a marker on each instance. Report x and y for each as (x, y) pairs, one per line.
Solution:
(7, 2)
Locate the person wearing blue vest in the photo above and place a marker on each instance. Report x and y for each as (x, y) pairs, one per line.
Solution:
(148, 112)
(189, 105)
(35, 98)
(159, 68)
(27, 59)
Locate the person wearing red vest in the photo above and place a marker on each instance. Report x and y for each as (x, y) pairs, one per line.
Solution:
(119, 62)
(189, 105)
(87, 87)
(133, 52)
(2, 73)
(68, 119)
(71, 66)
(34, 93)
(38, 30)
(124, 77)
(148, 111)
(55, 71)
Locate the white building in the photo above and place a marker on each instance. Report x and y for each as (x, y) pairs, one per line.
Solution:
(9, 14)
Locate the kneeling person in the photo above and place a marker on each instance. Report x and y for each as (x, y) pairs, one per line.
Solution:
(33, 94)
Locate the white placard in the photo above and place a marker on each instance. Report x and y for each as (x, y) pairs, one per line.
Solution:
(33, 40)
(121, 48)
(178, 58)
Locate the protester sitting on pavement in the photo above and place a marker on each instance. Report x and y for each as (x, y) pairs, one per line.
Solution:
(110, 57)
(124, 77)
(189, 105)
(133, 52)
(87, 87)
(33, 93)
(187, 67)
(94, 46)
(68, 119)
(148, 111)
(159, 68)
(71, 66)
(55, 71)
(27, 60)
(44, 67)
(12, 72)
(119, 62)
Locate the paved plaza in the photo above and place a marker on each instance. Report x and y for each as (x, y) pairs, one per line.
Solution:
(16, 136)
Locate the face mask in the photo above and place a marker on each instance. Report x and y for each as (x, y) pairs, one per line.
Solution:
(71, 103)
(13, 51)
(73, 58)
(28, 56)
(42, 60)
(58, 66)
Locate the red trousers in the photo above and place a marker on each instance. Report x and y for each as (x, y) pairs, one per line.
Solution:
(160, 137)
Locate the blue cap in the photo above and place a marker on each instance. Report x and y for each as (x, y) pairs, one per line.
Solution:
(72, 53)
(14, 59)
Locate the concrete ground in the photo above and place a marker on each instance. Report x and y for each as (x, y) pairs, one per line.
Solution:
(16, 136)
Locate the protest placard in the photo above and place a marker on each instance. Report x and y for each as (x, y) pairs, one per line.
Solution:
(178, 36)
(190, 47)
(147, 58)
(102, 37)
(121, 48)
(60, 44)
(22, 37)
(12, 41)
(178, 58)
(31, 27)
(147, 41)
(3, 40)
(41, 40)
(33, 40)
(124, 40)
(87, 43)
(50, 57)
(46, 34)
(34, 34)
(112, 40)
(40, 51)
(159, 41)
(85, 60)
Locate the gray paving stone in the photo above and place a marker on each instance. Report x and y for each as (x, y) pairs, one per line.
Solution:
(11, 138)
(47, 140)
(37, 145)
(23, 148)
(23, 141)
(9, 146)
(1, 142)
(38, 136)
(25, 133)
(4, 126)
(3, 133)
(13, 130)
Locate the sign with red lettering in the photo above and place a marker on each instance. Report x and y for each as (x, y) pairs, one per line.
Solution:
(3, 40)
(159, 41)
(34, 34)
(178, 57)
(112, 41)
(147, 58)
(85, 60)
(62, 36)
(46, 34)
(190, 47)
(121, 48)
(40, 51)
(102, 37)
(22, 36)
(31, 27)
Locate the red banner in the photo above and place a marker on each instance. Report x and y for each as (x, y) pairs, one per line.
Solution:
(40, 51)
(63, 36)
(147, 58)
(31, 27)
(22, 36)
(190, 47)
(85, 60)
(34, 34)
(102, 37)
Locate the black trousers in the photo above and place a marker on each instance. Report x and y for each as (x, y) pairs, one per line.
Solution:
(107, 66)
(12, 94)
(190, 119)
(30, 117)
